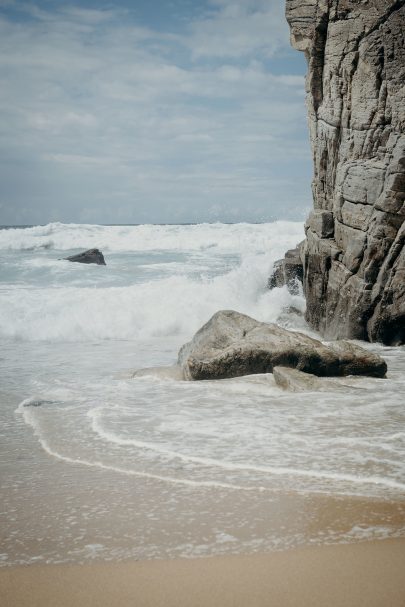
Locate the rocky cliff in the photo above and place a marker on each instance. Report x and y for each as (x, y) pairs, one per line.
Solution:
(354, 253)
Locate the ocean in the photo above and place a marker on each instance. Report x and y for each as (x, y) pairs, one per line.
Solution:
(98, 464)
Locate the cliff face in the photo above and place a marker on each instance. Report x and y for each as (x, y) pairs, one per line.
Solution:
(354, 253)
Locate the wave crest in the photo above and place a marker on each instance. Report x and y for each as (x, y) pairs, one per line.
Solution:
(199, 237)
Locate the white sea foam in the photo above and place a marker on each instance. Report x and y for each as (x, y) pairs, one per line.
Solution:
(200, 237)
(174, 306)
(240, 466)
(30, 419)
(174, 432)
(75, 302)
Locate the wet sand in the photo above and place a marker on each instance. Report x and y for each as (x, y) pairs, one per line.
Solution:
(369, 574)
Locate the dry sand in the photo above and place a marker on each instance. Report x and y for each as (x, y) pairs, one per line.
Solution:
(370, 574)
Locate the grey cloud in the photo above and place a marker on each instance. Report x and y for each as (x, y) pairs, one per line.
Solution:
(241, 28)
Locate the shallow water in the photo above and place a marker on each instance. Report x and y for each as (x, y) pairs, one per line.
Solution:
(97, 464)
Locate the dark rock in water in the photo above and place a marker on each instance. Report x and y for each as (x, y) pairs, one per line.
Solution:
(38, 403)
(232, 344)
(354, 252)
(288, 271)
(90, 256)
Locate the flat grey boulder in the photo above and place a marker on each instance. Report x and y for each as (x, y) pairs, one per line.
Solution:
(90, 256)
(231, 344)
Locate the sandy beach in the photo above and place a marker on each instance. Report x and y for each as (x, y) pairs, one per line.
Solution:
(369, 574)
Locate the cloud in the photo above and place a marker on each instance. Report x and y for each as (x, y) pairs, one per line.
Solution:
(239, 29)
(104, 113)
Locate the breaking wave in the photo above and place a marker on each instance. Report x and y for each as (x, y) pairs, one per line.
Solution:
(156, 296)
(199, 237)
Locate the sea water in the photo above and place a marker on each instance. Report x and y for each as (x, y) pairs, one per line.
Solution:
(98, 463)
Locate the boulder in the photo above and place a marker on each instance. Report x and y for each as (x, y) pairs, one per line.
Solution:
(231, 344)
(90, 256)
(321, 222)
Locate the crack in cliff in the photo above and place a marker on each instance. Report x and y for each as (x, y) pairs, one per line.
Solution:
(318, 56)
(359, 129)
(381, 20)
(386, 270)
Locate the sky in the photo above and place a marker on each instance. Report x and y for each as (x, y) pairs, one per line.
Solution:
(151, 111)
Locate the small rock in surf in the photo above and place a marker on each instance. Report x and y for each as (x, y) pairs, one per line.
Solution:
(90, 256)
(38, 403)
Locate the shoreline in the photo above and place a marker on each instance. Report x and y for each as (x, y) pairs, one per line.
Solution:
(367, 573)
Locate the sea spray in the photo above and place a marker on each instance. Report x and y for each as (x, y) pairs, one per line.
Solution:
(171, 290)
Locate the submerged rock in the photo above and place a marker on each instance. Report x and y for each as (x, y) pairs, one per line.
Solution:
(297, 381)
(354, 253)
(38, 403)
(90, 256)
(174, 372)
(231, 344)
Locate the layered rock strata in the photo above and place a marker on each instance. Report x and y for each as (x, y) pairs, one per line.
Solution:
(354, 253)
